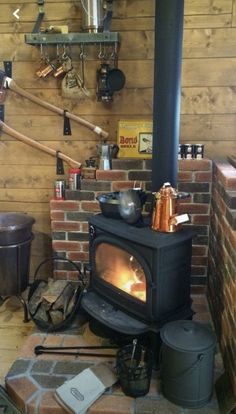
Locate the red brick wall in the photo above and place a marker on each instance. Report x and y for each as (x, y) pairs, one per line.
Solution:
(69, 218)
(222, 262)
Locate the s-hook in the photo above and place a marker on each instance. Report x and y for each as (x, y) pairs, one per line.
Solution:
(82, 56)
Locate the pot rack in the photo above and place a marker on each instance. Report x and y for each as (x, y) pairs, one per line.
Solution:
(37, 38)
(72, 38)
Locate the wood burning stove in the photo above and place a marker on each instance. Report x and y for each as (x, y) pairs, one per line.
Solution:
(140, 278)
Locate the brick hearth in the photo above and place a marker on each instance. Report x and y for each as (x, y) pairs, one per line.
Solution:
(31, 381)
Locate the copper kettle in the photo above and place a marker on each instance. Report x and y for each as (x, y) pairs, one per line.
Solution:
(165, 217)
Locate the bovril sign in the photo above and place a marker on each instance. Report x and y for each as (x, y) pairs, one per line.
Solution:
(135, 138)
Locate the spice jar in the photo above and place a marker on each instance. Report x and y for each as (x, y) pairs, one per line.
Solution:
(74, 179)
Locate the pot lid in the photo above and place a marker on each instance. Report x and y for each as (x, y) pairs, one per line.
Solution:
(189, 336)
(15, 221)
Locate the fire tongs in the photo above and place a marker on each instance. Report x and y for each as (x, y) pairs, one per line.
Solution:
(73, 350)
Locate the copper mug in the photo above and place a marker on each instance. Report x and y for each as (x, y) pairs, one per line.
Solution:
(165, 217)
(59, 72)
(47, 70)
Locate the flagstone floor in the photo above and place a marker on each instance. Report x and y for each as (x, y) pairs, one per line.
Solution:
(32, 380)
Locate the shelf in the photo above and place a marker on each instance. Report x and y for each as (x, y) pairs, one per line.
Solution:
(71, 38)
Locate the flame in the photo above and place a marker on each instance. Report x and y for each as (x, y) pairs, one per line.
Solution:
(122, 270)
(130, 283)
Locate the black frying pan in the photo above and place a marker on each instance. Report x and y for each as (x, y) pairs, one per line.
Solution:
(115, 79)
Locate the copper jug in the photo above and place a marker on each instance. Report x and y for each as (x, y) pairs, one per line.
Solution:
(165, 216)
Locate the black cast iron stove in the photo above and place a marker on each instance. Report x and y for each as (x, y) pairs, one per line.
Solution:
(140, 278)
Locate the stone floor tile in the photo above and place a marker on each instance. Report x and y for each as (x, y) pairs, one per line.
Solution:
(53, 340)
(70, 368)
(49, 404)
(32, 405)
(204, 410)
(112, 405)
(116, 389)
(74, 340)
(154, 387)
(202, 317)
(20, 390)
(96, 360)
(27, 351)
(51, 357)
(42, 366)
(20, 366)
(199, 299)
(155, 406)
(64, 367)
(198, 290)
(218, 361)
(199, 308)
(49, 381)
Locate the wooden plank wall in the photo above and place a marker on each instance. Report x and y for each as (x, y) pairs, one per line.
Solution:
(208, 93)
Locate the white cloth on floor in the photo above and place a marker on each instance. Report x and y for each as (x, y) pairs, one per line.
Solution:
(79, 393)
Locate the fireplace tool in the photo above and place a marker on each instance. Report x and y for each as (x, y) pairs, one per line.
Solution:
(74, 350)
(165, 217)
(134, 368)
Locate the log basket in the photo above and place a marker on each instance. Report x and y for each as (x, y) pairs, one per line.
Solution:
(78, 291)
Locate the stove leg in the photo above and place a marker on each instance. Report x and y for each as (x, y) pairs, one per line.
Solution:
(154, 343)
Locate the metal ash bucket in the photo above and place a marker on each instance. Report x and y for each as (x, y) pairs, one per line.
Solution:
(187, 363)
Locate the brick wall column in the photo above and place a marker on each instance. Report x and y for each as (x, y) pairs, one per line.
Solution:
(221, 287)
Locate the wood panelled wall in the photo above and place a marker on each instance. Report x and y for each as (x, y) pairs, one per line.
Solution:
(208, 113)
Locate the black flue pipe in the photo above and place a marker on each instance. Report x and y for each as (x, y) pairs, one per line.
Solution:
(167, 91)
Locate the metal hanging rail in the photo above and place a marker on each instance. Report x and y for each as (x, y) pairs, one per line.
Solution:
(71, 38)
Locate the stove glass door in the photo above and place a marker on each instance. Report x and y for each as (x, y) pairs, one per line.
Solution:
(121, 269)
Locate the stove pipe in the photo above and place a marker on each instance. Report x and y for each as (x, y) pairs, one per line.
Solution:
(167, 90)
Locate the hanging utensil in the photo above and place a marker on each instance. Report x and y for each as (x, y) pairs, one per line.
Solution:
(81, 76)
(82, 56)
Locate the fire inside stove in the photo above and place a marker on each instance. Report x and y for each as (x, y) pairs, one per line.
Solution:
(122, 270)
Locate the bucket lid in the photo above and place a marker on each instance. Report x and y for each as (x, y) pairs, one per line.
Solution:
(15, 221)
(189, 336)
